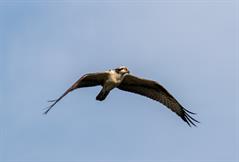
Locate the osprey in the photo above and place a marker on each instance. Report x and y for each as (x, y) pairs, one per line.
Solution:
(121, 79)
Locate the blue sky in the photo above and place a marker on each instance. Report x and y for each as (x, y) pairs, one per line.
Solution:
(190, 47)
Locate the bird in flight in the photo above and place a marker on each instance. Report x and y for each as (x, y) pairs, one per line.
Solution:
(122, 79)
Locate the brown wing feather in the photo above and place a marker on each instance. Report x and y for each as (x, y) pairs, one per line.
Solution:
(155, 91)
(88, 80)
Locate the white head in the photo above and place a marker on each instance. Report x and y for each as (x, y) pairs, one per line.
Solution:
(122, 70)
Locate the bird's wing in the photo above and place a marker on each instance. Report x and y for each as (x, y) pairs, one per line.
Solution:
(155, 91)
(87, 80)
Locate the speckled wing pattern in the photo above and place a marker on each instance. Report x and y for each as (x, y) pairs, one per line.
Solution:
(155, 91)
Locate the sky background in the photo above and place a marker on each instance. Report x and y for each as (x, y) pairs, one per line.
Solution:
(190, 47)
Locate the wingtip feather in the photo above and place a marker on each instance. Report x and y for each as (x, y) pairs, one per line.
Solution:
(189, 119)
(189, 111)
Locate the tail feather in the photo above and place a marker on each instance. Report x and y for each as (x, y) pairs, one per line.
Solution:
(102, 95)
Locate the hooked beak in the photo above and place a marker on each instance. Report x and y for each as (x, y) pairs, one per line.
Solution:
(127, 71)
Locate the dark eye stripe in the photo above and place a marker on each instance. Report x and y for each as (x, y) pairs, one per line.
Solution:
(119, 69)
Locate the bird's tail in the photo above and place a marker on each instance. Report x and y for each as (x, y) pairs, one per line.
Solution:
(102, 95)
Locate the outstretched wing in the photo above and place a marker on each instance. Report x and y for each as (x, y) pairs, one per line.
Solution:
(155, 91)
(88, 80)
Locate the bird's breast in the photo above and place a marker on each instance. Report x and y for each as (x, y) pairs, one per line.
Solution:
(114, 78)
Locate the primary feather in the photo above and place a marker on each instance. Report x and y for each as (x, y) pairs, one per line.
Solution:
(121, 79)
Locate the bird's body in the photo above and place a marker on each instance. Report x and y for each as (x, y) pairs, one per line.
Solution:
(121, 79)
(114, 79)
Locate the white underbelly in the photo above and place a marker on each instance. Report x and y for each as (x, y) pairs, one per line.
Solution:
(113, 81)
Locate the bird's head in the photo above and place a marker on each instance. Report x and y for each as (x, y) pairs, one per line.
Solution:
(122, 70)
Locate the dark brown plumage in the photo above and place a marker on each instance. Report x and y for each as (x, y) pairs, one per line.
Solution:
(155, 91)
(87, 80)
(121, 79)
